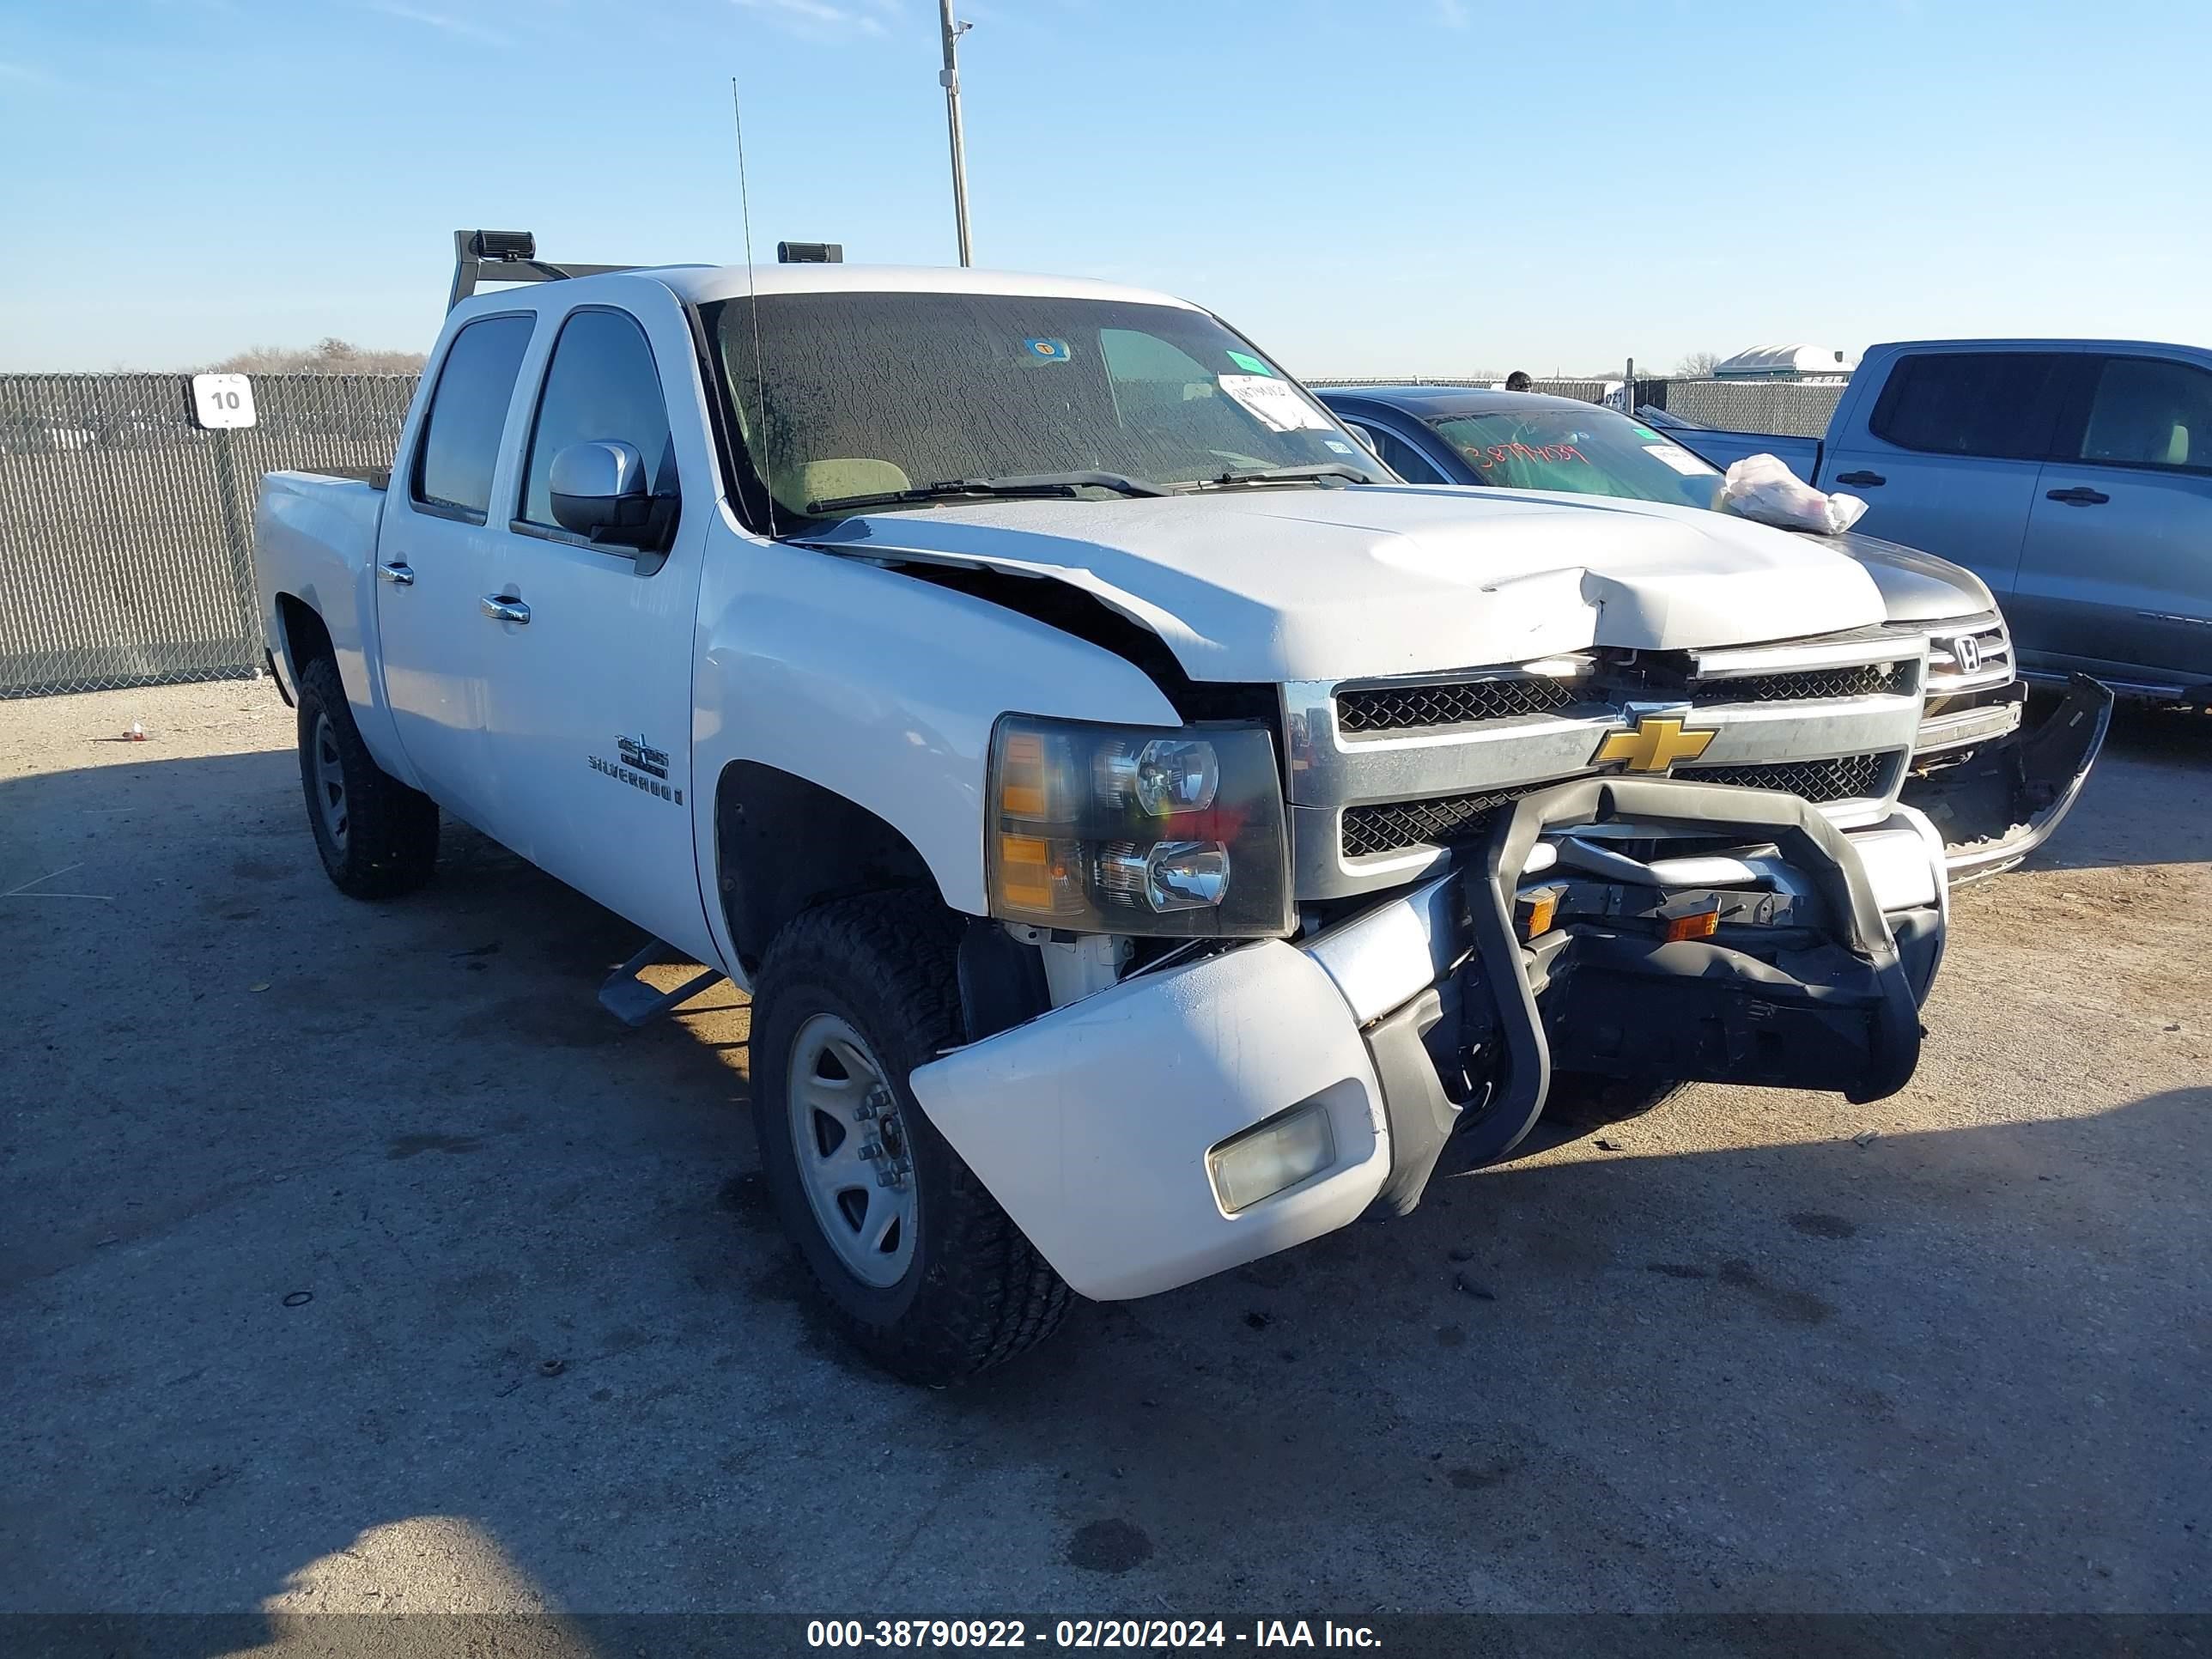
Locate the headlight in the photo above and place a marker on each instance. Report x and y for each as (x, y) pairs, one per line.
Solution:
(1133, 829)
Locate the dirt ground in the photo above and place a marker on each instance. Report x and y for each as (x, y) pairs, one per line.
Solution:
(351, 1258)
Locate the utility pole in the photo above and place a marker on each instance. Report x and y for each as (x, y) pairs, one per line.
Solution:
(949, 80)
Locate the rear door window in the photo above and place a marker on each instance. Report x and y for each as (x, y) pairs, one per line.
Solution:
(2000, 404)
(600, 387)
(459, 447)
(2148, 411)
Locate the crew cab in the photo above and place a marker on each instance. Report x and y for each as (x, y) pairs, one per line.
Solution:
(1151, 835)
(1997, 791)
(2074, 477)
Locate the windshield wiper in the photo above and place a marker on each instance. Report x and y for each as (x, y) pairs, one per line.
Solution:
(1012, 488)
(1312, 474)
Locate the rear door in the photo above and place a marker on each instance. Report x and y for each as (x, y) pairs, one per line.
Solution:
(1949, 460)
(595, 688)
(2115, 578)
(436, 553)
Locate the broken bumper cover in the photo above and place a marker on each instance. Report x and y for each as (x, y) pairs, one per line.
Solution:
(1096, 1126)
(2003, 801)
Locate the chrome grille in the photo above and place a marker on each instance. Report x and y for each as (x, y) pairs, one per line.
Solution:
(1872, 679)
(1393, 826)
(1848, 777)
(1384, 775)
(1451, 702)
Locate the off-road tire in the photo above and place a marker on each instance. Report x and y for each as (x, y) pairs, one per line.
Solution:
(1590, 1098)
(391, 842)
(977, 1292)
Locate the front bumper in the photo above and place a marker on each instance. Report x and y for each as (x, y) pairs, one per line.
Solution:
(2004, 799)
(1092, 1124)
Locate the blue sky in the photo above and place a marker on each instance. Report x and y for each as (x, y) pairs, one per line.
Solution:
(1386, 187)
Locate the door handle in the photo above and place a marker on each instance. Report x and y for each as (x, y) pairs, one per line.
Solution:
(504, 609)
(1862, 478)
(2079, 495)
(398, 573)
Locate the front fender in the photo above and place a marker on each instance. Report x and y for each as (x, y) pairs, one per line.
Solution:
(881, 689)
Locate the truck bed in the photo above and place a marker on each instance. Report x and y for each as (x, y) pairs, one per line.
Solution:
(1722, 449)
(314, 538)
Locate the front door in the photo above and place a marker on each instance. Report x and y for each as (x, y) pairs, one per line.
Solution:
(595, 686)
(2115, 578)
(437, 559)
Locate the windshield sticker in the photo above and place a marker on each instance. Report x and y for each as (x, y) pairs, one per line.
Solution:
(1340, 447)
(1251, 365)
(1274, 404)
(1498, 455)
(1680, 458)
(1644, 429)
(1047, 351)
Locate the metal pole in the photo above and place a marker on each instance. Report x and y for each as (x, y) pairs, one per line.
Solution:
(949, 80)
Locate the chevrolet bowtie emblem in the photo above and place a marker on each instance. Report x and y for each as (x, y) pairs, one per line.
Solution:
(1655, 745)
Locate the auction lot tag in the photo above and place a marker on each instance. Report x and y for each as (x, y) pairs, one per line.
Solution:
(222, 401)
(1274, 404)
(1678, 458)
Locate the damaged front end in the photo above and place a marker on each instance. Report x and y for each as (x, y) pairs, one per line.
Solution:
(1217, 1108)
(1997, 802)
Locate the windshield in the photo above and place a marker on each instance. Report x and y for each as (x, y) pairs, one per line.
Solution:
(1592, 452)
(870, 394)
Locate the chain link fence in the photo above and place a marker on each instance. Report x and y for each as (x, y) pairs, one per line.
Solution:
(126, 532)
(1797, 408)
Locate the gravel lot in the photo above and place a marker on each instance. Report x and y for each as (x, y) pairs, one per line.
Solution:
(350, 1259)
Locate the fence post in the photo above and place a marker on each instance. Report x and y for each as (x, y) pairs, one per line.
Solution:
(238, 543)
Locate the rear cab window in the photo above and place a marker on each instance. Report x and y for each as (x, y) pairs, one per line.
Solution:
(2001, 405)
(459, 450)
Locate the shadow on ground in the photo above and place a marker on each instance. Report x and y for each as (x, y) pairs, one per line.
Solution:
(355, 1261)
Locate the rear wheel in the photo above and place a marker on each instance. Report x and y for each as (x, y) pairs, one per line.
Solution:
(378, 838)
(916, 1261)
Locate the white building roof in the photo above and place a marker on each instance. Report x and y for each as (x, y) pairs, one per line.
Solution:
(1777, 361)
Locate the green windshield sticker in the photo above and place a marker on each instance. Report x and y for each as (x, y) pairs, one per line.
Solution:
(1644, 429)
(1249, 364)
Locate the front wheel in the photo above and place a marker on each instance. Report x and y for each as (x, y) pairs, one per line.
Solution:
(924, 1271)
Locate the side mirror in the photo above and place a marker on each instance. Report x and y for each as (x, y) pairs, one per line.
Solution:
(600, 491)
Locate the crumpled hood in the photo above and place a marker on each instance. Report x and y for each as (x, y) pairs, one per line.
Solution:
(1272, 584)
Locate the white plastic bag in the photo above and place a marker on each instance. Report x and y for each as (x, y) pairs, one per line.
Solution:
(1764, 489)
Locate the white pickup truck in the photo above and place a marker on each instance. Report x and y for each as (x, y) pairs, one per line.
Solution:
(1151, 835)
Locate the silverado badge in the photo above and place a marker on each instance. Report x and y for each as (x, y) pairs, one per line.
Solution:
(1654, 743)
(640, 766)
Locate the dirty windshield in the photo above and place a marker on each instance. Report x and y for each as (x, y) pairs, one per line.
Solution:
(1588, 451)
(857, 396)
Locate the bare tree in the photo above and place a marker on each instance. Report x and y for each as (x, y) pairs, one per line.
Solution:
(1697, 366)
(326, 357)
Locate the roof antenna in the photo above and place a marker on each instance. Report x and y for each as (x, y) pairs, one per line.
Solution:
(752, 307)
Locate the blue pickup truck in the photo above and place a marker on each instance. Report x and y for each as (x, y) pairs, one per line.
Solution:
(2074, 477)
